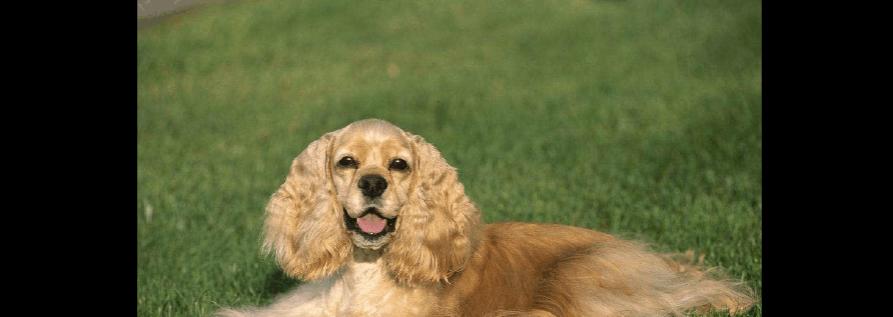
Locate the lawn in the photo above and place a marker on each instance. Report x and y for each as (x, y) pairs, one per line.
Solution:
(638, 118)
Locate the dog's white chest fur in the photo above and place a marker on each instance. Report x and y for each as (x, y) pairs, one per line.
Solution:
(362, 289)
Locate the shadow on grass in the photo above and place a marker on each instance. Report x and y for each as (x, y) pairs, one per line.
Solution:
(278, 283)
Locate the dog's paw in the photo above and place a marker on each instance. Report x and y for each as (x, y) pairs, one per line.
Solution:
(229, 312)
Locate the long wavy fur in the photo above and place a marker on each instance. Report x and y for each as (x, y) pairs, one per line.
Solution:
(442, 261)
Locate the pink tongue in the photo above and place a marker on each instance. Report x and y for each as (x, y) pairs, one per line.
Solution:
(371, 223)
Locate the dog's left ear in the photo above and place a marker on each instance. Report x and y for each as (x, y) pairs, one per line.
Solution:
(438, 226)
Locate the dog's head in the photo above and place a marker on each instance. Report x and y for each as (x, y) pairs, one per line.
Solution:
(372, 167)
(372, 186)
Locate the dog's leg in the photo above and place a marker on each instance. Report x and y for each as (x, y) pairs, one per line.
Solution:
(619, 278)
(305, 301)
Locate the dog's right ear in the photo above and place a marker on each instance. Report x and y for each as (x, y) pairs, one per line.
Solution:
(303, 226)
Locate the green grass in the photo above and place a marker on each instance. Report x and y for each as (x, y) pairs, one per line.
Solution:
(638, 118)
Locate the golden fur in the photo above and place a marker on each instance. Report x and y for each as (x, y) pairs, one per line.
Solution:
(440, 260)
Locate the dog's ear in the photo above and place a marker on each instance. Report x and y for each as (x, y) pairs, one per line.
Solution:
(303, 226)
(438, 226)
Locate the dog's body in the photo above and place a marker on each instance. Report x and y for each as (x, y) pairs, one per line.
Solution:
(379, 225)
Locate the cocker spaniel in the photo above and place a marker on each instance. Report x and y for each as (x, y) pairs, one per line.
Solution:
(376, 223)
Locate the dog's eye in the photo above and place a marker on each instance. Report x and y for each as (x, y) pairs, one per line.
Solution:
(398, 165)
(348, 161)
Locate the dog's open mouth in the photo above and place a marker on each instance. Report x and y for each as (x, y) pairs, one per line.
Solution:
(371, 224)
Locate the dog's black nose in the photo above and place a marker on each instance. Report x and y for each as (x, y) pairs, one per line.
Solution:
(372, 185)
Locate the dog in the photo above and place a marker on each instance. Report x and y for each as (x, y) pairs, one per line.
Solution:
(377, 223)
